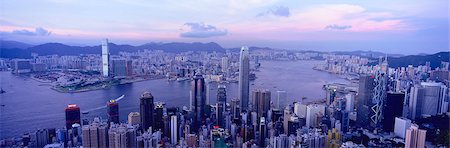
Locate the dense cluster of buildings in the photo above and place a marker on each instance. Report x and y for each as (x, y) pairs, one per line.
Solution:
(392, 107)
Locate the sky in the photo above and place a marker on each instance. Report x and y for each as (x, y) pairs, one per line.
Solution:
(400, 26)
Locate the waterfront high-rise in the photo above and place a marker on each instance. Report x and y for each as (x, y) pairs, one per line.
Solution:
(113, 111)
(146, 110)
(105, 58)
(221, 105)
(72, 115)
(415, 137)
(244, 82)
(199, 100)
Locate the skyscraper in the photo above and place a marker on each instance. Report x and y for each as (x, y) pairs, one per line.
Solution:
(392, 108)
(146, 110)
(105, 58)
(224, 64)
(427, 99)
(199, 100)
(281, 96)
(72, 115)
(119, 68)
(261, 102)
(134, 118)
(173, 129)
(364, 101)
(415, 137)
(262, 132)
(401, 125)
(113, 111)
(244, 72)
(221, 102)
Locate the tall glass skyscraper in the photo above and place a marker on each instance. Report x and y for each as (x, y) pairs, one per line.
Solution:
(113, 111)
(221, 104)
(244, 71)
(199, 100)
(105, 58)
(146, 110)
(72, 115)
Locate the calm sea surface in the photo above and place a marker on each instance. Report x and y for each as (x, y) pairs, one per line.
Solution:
(29, 105)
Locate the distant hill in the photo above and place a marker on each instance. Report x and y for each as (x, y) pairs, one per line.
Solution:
(416, 60)
(62, 49)
(14, 44)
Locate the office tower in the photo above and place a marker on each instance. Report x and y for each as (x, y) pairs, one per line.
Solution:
(72, 115)
(199, 100)
(314, 114)
(158, 117)
(261, 102)
(225, 64)
(75, 135)
(39, 138)
(350, 102)
(235, 105)
(415, 101)
(173, 131)
(129, 68)
(113, 111)
(262, 132)
(331, 95)
(221, 105)
(379, 94)
(146, 110)
(122, 135)
(286, 117)
(300, 109)
(435, 98)
(427, 99)
(401, 124)
(415, 137)
(119, 68)
(95, 134)
(134, 118)
(393, 107)
(342, 117)
(293, 125)
(105, 58)
(364, 102)
(244, 82)
(281, 96)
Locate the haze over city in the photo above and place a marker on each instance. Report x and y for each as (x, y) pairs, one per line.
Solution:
(401, 27)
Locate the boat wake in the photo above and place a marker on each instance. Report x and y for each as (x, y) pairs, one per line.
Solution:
(102, 107)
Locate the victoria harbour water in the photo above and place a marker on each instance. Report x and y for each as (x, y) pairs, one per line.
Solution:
(29, 105)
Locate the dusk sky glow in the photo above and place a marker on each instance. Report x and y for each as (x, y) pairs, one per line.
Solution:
(403, 26)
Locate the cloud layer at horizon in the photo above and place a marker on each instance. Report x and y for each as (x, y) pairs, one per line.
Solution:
(399, 26)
